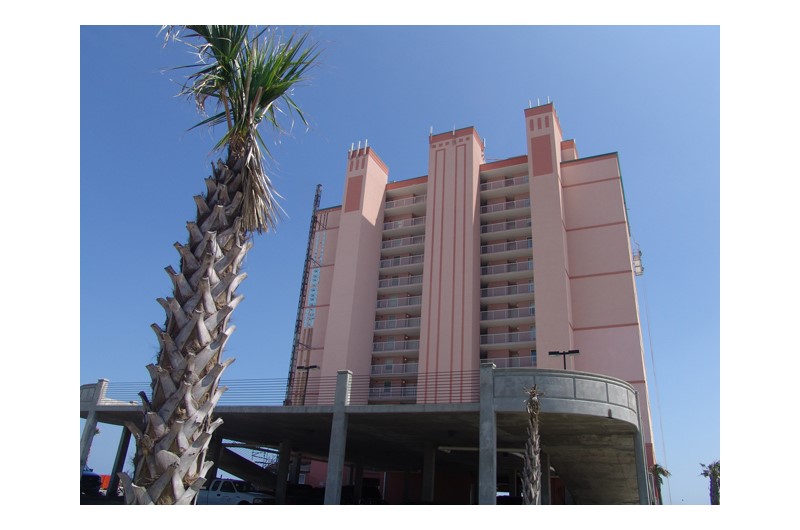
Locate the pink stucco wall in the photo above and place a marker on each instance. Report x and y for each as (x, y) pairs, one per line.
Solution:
(449, 340)
(349, 333)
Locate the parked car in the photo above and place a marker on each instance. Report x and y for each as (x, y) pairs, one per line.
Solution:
(90, 482)
(228, 491)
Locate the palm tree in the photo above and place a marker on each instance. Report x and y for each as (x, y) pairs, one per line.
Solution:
(711, 471)
(659, 472)
(532, 472)
(251, 79)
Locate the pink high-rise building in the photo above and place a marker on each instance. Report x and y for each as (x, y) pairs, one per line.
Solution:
(413, 286)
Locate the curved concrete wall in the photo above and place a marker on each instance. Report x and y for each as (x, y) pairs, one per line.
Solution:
(566, 393)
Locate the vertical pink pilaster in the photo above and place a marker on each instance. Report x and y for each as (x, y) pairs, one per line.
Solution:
(450, 326)
(349, 335)
(550, 259)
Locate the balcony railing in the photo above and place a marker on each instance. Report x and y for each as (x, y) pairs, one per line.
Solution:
(507, 267)
(393, 392)
(512, 362)
(402, 242)
(397, 323)
(506, 247)
(507, 290)
(403, 345)
(395, 369)
(504, 314)
(503, 206)
(505, 183)
(404, 260)
(404, 223)
(506, 338)
(408, 201)
(399, 302)
(505, 225)
(397, 282)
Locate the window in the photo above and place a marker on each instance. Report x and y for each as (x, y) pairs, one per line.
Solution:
(227, 487)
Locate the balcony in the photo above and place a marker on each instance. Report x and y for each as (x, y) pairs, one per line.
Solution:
(498, 188)
(508, 271)
(409, 304)
(404, 393)
(402, 264)
(508, 317)
(507, 293)
(414, 204)
(514, 340)
(395, 369)
(395, 346)
(506, 229)
(508, 250)
(403, 245)
(404, 227)
(401, 284)
(526, 361)
(395, 326)
(505, 210)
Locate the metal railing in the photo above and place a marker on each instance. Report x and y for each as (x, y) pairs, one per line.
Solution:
(397, 392)
(403, 260)
(503, 206)
(512, 362)
(502, 226)
(502, 314)
(402, 345)
(404, 301)
(507, 338)
(402, 242)
(432, 387)
(408, 201)
(403, 280)
(397, 323)
(395, 369)
(506, 247)
(505, 183)
(404, 223)
(507, 267)
(507, 290)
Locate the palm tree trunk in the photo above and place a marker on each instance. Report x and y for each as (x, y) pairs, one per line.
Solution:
(170, 465)
(532, 472)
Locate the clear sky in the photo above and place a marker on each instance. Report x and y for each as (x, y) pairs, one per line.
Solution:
(652, 94)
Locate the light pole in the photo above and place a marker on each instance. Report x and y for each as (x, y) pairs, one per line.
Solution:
(564, 354)
(305, 382)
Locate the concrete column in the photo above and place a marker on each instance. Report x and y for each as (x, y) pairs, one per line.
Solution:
(641, 468)
(487, 437)
(294, 472)
(358, 482)
(90, 427)
(214, 454)
(333, 482)
(428, 473)
(119, 462)
(544, 464)
(513, 489)
(284, 456)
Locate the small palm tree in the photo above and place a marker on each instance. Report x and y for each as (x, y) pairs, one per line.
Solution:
(532, 472)
(711, 471)
(251, 79)
(659, 473)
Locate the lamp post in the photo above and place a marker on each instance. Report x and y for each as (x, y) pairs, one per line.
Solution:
(564, 354)
(305, 381)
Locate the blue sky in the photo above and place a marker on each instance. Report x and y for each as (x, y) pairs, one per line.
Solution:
(652, 94)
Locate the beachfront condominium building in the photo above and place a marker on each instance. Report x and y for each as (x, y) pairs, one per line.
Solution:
(414, 284)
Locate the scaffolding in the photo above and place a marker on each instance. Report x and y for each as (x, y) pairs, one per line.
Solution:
(297, 345)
